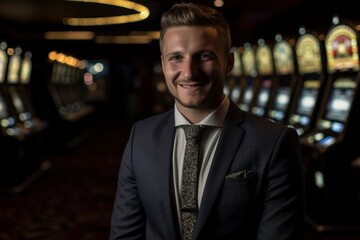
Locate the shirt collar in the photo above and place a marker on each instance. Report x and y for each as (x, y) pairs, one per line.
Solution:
(216, 118)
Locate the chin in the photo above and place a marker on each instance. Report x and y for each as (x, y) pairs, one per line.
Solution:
(194, 105)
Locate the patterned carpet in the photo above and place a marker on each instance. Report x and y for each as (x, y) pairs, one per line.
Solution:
(74, 197)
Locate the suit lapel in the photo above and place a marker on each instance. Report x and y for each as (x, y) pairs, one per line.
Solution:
(165, 179)
(228, 144)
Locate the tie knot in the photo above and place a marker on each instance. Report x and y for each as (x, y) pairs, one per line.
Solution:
(192, 131)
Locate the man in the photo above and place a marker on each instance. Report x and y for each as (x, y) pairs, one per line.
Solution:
(251, 178)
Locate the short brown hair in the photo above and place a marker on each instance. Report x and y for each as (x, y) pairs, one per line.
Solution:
(189, 14)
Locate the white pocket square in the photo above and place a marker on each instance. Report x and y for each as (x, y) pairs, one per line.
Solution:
(240, 174)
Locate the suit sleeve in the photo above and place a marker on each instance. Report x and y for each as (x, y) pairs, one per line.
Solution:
(283, 211)
(128, 216)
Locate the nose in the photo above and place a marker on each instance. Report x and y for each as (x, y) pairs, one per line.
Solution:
(189, 69)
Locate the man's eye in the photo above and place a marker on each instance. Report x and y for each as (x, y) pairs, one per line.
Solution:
(205, 56)
(175, 58)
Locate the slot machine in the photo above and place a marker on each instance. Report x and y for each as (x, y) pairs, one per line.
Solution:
(61, 88)
(33, 120)
(9, 128)
(66, 87)
(68, 114)
(18, 67)
(311, 77)
(59, 83)
(233, 87)
(20, 160)
(76, 86)
(285, 86)
(265, 66)
(3, 61)
(250, 80)
(329, 149)
(9, 124)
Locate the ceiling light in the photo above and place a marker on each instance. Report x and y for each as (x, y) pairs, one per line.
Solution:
(69, 35)
(142, 13)
(134, 37)
(218, 3)
(125, 39)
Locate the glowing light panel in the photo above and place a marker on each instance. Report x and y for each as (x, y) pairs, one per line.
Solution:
(142, 13)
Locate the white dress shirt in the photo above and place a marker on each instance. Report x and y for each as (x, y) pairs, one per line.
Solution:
(208, 145)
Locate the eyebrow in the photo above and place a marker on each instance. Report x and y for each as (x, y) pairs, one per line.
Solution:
(172, 53)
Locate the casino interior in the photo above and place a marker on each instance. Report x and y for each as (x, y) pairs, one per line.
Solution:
(75, 75)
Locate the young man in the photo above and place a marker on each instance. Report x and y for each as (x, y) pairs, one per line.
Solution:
(251, 177)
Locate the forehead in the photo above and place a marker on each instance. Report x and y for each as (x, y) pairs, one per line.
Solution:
(190, 36)
(207, 30)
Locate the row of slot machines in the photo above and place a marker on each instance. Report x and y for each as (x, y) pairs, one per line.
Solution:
(66, 86)
(17, 114)
(37, 114)
(68, 82)
(20, 127)
(311, 84)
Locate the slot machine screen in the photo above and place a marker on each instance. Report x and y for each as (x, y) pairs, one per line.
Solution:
(308, 54)
(340, 100)
(57, 73)
(3, 62)
(308, 97)
(236, 70)
(342, 49)
(248, 60)
(248, 94)
(264, 93)
(3, 109)
(264, 60)
(282, 98)
(25, 73)
(283, 58)
(63, 73)
(14, 67)
(54, 71)
(17, 101)
(307, 101)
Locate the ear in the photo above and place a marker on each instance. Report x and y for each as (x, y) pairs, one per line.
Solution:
(230, 62)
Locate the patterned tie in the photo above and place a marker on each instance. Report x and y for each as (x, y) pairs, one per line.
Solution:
(189, 189)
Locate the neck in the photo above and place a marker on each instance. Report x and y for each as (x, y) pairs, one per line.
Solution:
(196, 115)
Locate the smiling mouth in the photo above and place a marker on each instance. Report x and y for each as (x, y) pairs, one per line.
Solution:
(193, 85)
(188, 86)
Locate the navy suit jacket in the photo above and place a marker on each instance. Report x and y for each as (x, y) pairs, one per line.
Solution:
(254, 189)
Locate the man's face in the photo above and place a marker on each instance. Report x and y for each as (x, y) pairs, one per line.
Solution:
(195, 66)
